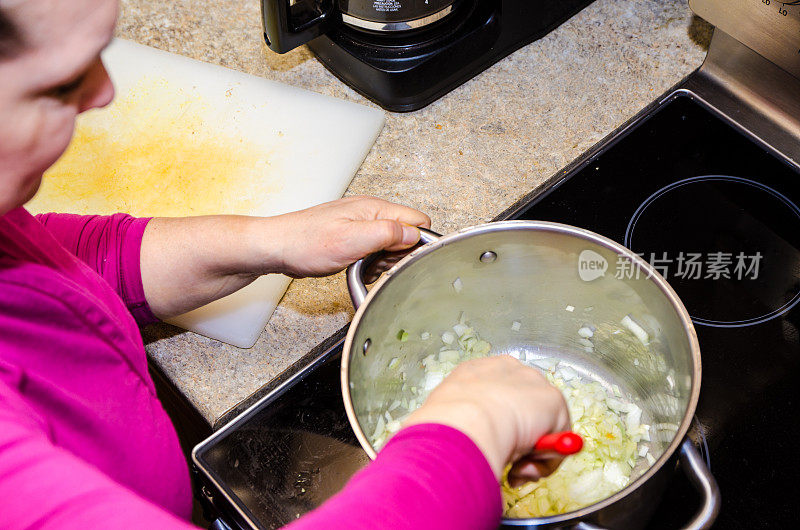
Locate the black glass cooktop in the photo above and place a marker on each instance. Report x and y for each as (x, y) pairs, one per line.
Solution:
(716, 214)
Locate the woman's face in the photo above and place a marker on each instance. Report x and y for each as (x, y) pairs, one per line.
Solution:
(56, 74)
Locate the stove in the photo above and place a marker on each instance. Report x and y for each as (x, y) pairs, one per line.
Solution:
(717, 215)
(704, 184)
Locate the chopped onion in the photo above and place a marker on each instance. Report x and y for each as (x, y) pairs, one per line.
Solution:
(633, 418)
(569, 308)
(615, 474)
(461, 329)
(610, 425)
(547, 364)
(567, 373)
(646, 433)
(458, 285)
(612, 436)
(449, 356)
(636, 329)
(380, 428)
(667, 427)
(432, 380)
(425, 335)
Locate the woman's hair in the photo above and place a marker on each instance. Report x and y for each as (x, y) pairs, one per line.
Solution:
(10, 37)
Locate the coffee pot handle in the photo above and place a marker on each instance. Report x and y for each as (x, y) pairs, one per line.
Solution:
(288, 25)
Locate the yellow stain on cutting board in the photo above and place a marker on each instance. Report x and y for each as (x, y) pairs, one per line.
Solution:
(153, 151)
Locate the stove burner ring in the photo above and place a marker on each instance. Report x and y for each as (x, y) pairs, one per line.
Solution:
(725, 178)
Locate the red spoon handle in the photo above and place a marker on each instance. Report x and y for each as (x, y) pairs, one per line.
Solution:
(565, 443)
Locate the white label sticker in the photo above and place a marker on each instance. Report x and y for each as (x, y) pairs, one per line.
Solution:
(387, 5)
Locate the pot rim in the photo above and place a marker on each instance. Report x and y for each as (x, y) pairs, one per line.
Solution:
(546, 226)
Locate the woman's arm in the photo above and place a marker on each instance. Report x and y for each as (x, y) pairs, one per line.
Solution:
(442, 469)
(174, 265)
(110, 245)
(426, 477)
(44, 486)
(188, 262)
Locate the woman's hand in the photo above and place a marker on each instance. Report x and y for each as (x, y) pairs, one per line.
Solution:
(327, 238)
(188, 262)
(504, 407)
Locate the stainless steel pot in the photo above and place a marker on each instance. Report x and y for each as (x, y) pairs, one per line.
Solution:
(552, 279)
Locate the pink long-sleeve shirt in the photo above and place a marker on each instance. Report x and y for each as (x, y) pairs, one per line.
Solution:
(85, 443)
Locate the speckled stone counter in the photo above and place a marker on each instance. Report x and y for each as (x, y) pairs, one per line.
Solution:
(463, 159)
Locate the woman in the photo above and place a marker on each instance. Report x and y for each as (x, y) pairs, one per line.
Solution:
(84, 443)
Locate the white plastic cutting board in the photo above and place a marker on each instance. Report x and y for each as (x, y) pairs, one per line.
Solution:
(185, 137)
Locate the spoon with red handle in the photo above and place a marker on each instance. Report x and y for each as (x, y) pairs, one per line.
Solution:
(564, 443)
(545, 458)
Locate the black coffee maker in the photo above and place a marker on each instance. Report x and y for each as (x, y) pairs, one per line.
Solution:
(404, 54)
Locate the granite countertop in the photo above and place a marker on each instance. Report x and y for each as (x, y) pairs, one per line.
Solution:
(463, 159)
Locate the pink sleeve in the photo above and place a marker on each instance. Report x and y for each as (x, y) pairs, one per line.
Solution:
(427, 477)
(44, 486)
(111, 245)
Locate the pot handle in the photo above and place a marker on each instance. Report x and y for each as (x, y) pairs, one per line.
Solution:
(355, 272)
(703, 481)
